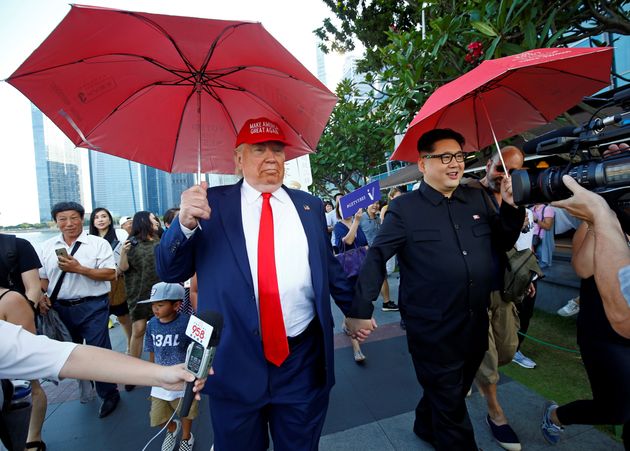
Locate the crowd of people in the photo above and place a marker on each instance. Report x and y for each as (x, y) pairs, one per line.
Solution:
(266, 258)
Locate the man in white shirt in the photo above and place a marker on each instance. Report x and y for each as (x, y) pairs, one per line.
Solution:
(75, 274)
(274, 365)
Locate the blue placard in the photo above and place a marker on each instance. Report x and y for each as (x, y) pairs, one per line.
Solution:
(360, 198)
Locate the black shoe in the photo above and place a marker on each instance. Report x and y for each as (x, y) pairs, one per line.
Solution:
(429, 438)
(504, 435)
(129, 387)
(109, 405)
(390, 306)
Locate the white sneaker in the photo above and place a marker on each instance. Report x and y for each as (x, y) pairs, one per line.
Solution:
(171, 437)
(187, 445)
(572, 308)
(523, 361)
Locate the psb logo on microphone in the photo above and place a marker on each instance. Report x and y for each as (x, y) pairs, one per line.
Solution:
(199, 331)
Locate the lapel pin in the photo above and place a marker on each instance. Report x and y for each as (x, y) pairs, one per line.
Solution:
(307, 208)
(475, 217)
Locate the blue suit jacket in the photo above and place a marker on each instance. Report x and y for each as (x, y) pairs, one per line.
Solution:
(218, 255)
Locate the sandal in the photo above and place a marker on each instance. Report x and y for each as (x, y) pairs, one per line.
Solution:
(36, 445)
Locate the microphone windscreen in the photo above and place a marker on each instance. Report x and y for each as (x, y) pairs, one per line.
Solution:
(215, 319)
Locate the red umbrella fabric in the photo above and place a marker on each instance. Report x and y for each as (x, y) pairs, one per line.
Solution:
(510, 95)
(155, 88)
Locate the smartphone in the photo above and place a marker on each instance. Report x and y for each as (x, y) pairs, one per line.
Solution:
(61, 252)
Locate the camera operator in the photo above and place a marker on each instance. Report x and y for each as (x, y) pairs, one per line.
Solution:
(600, 252)
(612, 254)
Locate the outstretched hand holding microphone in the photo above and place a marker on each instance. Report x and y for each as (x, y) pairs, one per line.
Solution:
(205, 331)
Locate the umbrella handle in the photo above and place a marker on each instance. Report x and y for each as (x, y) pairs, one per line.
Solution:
(496, 142)
(198, 89)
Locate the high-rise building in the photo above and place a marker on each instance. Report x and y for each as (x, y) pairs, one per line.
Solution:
(57, 165)
(321, 64)
(125, 187)
(116, 184)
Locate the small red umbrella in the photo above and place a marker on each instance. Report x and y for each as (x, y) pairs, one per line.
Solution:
(170, 92)
(506, 96)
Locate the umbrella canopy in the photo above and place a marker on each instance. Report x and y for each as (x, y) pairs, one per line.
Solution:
(509, 95)
(166, 90)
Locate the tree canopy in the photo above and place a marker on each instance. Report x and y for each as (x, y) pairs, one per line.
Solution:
(353, 142)
(404, 64)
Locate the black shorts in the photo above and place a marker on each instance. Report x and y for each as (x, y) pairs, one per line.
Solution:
(119, 310)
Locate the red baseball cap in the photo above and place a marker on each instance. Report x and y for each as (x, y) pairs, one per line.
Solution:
(260, 130)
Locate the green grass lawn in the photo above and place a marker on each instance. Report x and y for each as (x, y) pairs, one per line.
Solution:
(559, 375)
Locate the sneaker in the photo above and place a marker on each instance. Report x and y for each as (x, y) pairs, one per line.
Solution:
(523, 361)
(171, 437)
(504, 435)
(187, 445)
(572, 308)
(550, 431)
(390, 306)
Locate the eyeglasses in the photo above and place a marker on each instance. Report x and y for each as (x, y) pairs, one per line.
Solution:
(448, 157)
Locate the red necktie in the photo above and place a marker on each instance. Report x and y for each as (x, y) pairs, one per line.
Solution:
(274, 335)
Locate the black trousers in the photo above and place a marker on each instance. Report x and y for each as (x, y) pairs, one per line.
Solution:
(608, 368)
(441, 415)
(525, 312)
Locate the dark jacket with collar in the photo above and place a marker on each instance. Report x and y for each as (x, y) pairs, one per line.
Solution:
(444, 247)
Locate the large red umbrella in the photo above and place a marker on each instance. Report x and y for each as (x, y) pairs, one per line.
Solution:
(167, 91)
(507, 96)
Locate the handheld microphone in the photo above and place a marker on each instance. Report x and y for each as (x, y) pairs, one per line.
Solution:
(205, 331)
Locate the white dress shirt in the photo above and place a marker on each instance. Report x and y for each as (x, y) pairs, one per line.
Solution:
(291, 250)
(95, 252)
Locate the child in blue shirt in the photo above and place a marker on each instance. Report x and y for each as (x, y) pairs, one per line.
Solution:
(166, 341)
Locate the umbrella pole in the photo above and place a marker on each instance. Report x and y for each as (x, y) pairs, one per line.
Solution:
(199, 140)
(496, 142)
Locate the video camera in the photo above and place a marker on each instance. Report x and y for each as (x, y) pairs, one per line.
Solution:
(609, 177)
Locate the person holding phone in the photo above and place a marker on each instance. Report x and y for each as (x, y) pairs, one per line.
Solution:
(76, 272)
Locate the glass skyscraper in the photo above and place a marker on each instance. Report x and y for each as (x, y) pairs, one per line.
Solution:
(57, 166)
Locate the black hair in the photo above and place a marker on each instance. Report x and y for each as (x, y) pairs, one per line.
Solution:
(110, 235)
(65, 206)
(142, 227)
(428, 139)
(170, 215)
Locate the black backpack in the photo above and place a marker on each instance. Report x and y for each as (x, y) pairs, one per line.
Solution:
(9, 259)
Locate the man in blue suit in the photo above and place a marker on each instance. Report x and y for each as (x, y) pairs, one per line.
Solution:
(274, 365)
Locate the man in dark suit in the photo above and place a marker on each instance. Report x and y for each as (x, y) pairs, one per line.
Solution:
(274, 365)
(443, 234)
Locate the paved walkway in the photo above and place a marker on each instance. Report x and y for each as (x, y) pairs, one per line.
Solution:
(371, 408)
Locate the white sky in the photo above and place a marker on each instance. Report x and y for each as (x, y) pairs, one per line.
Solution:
(24, 24)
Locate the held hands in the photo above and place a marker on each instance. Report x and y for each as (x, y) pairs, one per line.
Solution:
(194, 206)
(360, 329)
